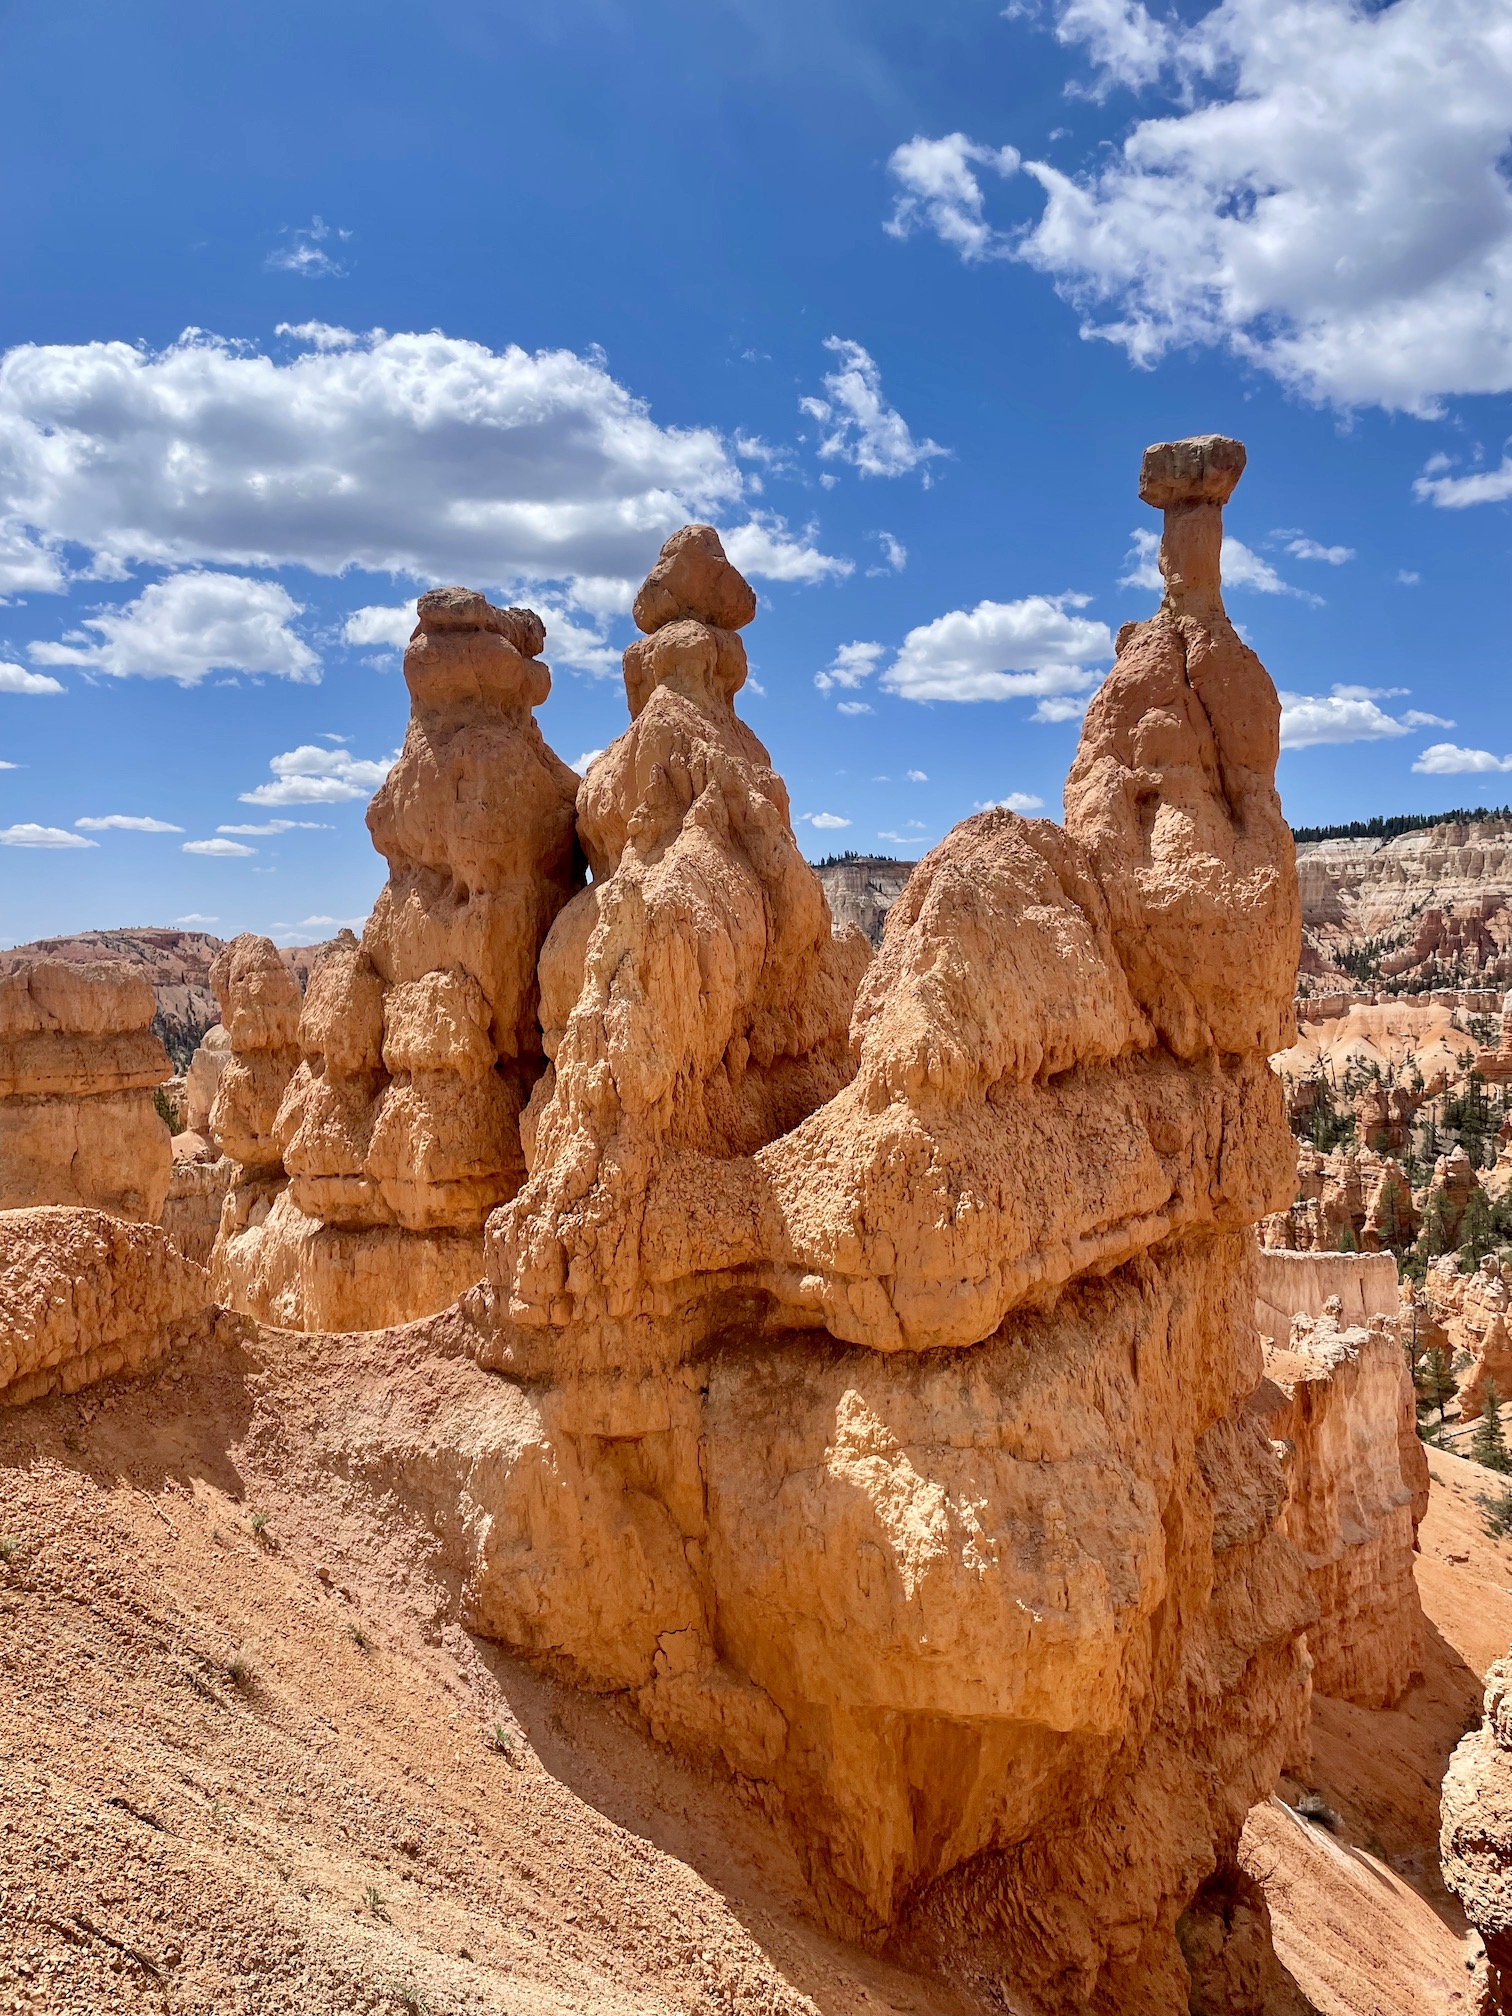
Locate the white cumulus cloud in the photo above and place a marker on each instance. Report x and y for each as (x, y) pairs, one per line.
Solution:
(827, 822)
(196, 917)
(217, 849)
(312, 776)
(1445, 759)
(418, 454)
(1310, 549)
(1326, 195)
(1062, 707)
(16, 679)
(764, 546)
(856, 423)
(1016, 801)
(1348, 714)
(188, 626)
(1457, 493)
(29, 835)
(939, 191)
(380, 623)
(852, 665)
(125, 822)
(1000, 651)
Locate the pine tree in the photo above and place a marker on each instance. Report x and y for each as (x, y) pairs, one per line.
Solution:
(1436, 1380)
(1347, 1241)
(1477, 1234)
(1488, 1445)
(1435, 1235)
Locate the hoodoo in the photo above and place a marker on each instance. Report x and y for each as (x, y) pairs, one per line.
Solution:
(417, 1049)
(889, 1408)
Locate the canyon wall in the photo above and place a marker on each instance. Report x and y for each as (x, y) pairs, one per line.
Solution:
(1357, 1490)
(1291, 1284)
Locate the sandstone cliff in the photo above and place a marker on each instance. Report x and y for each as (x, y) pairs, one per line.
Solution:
(78, 1064)
(1357, 1489)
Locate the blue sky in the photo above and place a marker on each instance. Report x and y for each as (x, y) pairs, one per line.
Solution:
(894, 294)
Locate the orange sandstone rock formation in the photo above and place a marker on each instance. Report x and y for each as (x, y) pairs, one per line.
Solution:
(260, 1001)
(695, 1002)
(882, 1417)
(1357, 1489)
(1475, 1844)
(78, 1064)
(83, 1295)
(400, 1128)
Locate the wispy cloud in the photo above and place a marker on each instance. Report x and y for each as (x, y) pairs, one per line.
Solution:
(29, 835)
(310, 251)
(856, 423)
(125, 822)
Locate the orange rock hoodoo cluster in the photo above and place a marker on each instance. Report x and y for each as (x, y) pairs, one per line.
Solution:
(876, 1334)
(924, 1494)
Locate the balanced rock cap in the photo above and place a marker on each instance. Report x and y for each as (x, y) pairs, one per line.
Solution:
(1203, 470)
(466, 609)
(693, 578)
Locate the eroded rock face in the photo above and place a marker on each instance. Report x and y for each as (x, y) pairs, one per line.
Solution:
(260, 1002)
(885, 1429)
(1475, 1841)
(695, 1002)
(83, 1295)
(1357, 1489)
(78, 1064)
(418, 1046)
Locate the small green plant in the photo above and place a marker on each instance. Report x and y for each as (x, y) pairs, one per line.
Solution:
(239, 1670)
(1313, 1806)
(11, 1549)
(503, 1742)
(167, 1111)
(412, 2000)
(259, 1525)
(1488, 1445)
(1496, 1514)
(360, 1638)
(372, 1900)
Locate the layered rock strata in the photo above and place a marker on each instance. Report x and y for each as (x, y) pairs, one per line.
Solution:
(1357, 1490)
(84, 1295)
(1362, 1285)
(78, 1066)
(884, 1405)
(418, 1047)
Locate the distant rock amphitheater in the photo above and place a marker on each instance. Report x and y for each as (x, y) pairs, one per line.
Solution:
(1406, 914)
